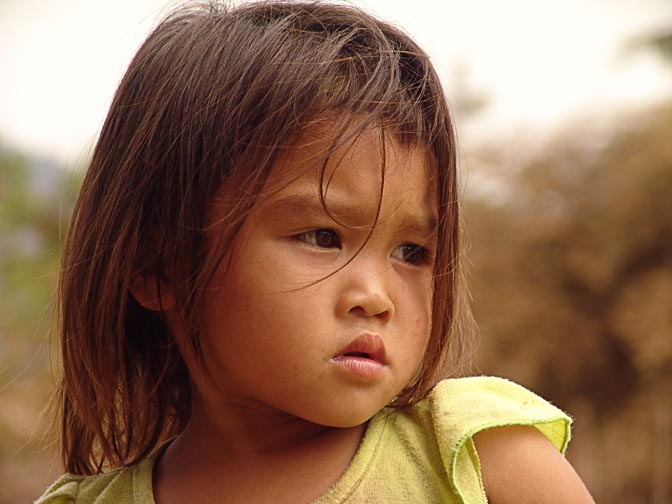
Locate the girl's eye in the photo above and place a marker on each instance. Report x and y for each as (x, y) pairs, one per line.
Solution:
(412, 254)
(322, 238)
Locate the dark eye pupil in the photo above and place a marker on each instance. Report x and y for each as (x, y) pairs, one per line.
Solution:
(412, 253)
(326, 238)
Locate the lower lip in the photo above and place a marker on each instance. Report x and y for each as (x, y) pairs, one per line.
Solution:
(360, 367)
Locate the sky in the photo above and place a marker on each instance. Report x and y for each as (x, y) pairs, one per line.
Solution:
(536, 63)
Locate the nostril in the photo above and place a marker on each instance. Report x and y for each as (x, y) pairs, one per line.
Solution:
(367, 303)
(383, 315)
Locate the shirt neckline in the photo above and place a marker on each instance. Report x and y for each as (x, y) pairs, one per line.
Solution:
(354, 474)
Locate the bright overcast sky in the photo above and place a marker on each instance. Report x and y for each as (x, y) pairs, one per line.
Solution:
(537, 61)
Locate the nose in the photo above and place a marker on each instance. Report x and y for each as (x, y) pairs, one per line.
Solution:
(365, 293)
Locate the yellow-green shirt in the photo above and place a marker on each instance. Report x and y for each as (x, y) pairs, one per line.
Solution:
(423, 453)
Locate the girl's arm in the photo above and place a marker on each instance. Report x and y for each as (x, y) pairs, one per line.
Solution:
(520, 465)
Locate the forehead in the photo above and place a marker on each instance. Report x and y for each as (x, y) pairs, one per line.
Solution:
(363, 183)
(359, 166)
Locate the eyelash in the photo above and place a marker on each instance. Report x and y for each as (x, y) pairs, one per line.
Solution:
(416, 254)
(313, 237)
(413, 254)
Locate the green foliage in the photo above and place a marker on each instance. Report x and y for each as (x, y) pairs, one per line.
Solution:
(31, 225)
(32, 219)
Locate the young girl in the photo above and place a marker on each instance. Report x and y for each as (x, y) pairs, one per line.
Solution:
(261, 284)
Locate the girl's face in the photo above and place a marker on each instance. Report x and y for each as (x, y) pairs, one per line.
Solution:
(310, 318)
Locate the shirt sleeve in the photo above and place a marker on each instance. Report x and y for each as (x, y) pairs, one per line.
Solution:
(63, 491)
(461, 408)
(129, 485)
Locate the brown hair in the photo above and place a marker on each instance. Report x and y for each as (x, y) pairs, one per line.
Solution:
(213, 95)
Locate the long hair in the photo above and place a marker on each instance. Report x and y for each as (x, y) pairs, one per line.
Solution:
(213, 95)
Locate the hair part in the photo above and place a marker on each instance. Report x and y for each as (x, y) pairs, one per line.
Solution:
(214, 95)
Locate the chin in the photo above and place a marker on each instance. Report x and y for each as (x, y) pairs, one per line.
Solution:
(349, 415)
(345, 423)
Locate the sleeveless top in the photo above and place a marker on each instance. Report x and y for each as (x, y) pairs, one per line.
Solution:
(422, 453)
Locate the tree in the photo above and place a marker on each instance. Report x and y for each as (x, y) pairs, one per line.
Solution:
(573, 289)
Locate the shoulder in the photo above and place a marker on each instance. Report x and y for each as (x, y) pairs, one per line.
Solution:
(519, 465)
(465, 406)
(71, 488)
(478, 417)
(63, 491)
(128, 485)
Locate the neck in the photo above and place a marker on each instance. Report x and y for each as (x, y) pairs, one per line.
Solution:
(258, 456)
(224, 430)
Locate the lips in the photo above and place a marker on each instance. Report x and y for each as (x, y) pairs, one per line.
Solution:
(365, 347)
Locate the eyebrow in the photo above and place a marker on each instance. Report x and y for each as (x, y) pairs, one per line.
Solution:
(298, 204)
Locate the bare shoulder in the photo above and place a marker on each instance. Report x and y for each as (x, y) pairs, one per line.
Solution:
(520, 465)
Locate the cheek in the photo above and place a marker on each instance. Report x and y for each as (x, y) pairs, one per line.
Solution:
(420, 324)
(419, 333)
(423, 311)
(422, 332)
(423, 320)
(415, 302)
(416, 344)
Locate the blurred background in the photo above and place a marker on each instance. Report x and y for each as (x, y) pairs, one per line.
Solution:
(564, 113)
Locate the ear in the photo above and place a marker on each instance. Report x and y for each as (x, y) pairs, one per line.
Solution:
(152, 292)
